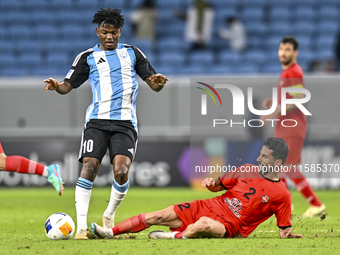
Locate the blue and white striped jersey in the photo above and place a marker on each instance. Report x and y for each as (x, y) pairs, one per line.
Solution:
(112, 78)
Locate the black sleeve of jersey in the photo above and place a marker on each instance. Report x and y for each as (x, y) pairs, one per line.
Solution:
(80, 70)
(143, 67)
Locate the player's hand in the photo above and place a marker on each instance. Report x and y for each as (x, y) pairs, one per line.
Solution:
(51, 84)
(295, 236)
(267, 103)
(158, 78)
(208, 182)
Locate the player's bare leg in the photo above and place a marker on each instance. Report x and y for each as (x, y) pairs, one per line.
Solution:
(205, 227)
(83, 194)
(166, 217)
(121, 165)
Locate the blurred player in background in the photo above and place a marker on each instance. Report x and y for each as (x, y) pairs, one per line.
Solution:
(26, 166)
(250, 198)
(111, 121)
(292, 76)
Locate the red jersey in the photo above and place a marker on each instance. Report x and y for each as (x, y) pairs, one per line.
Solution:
(292, 77)
(252, 200)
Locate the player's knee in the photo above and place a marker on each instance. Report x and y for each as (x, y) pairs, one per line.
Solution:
(203, 225)
(121, 174)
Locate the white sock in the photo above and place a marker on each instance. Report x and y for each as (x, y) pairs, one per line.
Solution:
(45, 173)
(82, 199)
(118, 193)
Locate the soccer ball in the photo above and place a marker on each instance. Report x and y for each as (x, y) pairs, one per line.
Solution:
(59, 226)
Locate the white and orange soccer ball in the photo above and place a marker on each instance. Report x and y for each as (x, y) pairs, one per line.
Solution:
(59, 226)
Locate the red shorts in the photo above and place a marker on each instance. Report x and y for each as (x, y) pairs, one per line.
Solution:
(191, 212)
(295, 145)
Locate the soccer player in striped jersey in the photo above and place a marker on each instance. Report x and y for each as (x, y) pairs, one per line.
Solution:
(111, 121)
(292, 76)
(252, 195)
(24, 165)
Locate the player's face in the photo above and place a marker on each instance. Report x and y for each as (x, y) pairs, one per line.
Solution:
(266, 161)
(287, 54)
(108, 37)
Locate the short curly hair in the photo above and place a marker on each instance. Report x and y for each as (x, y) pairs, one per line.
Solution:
(109, 16)
(279, 148)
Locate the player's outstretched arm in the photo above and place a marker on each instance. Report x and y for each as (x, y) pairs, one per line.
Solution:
(214, 185)
(288, 233)
(156, 81)
(61, 87)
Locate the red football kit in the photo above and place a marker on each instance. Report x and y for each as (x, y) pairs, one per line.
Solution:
(294, 136)
(250, 199)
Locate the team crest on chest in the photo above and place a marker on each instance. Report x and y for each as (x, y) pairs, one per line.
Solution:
(123, 54)
(264, 199)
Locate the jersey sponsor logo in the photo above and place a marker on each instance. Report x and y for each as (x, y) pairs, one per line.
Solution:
(68, 75)
(101, 60)
(234, 205)
(130, 150)
(264, 199)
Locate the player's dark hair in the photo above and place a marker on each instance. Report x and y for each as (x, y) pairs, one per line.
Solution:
(108, 16)
(291, 40)
(279, 148)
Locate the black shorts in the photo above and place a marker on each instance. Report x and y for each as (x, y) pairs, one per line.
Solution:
(117, 135)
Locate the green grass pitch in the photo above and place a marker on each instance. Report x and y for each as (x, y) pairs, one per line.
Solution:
(24, 211)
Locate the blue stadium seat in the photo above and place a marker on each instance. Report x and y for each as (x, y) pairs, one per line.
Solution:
(30, 60)
(39, 18)
(325, 54)
(85, 17)
(304, 3)
(280, 3)
(254, 57)
(63, 5)
(221, 3)
(20, 32)
(167, 69)
(15, 17)
(7, 60)
(328, 13)
(280, 14)
(246, 69)
(15, 72)
(304, 14)
(144, 45)
(255, 3)
(256, 42)
(280, 28)
(29, 46)
(89, 5)
(120, 4)
(171, 28)
(326, 28)
(35, 5)
(230, 58)
(220, 69)
(6, 47)
(172, 58)
(252, 14)
(12, 5)
(303, 28)
(193, 70)
(68, 18)
(325, 42)
(171, 44)
(273, 43)
(168, 5)
(56, 46)
(45, 32)
(58, 60)
(305, 42)
(75, 31)
(47, 71)
(305, 56)
(134, 4)
(222, 13)
(272, 57)
(201, 57)
(271, 69)
(256, 28)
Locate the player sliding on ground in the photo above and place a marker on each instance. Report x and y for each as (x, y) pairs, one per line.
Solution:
(251, 198)
(23, 165)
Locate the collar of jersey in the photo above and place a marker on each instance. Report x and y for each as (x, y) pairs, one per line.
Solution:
(268, 178)
(96, 48)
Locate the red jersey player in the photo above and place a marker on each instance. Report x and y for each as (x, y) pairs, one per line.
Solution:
(254, 193)
(26, 166)
(292, 76)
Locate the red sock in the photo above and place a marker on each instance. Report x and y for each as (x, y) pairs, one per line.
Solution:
(306, 190)
(285, 182)
(1, 149)
(179, 235)
(132, 225)
(23, 165)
